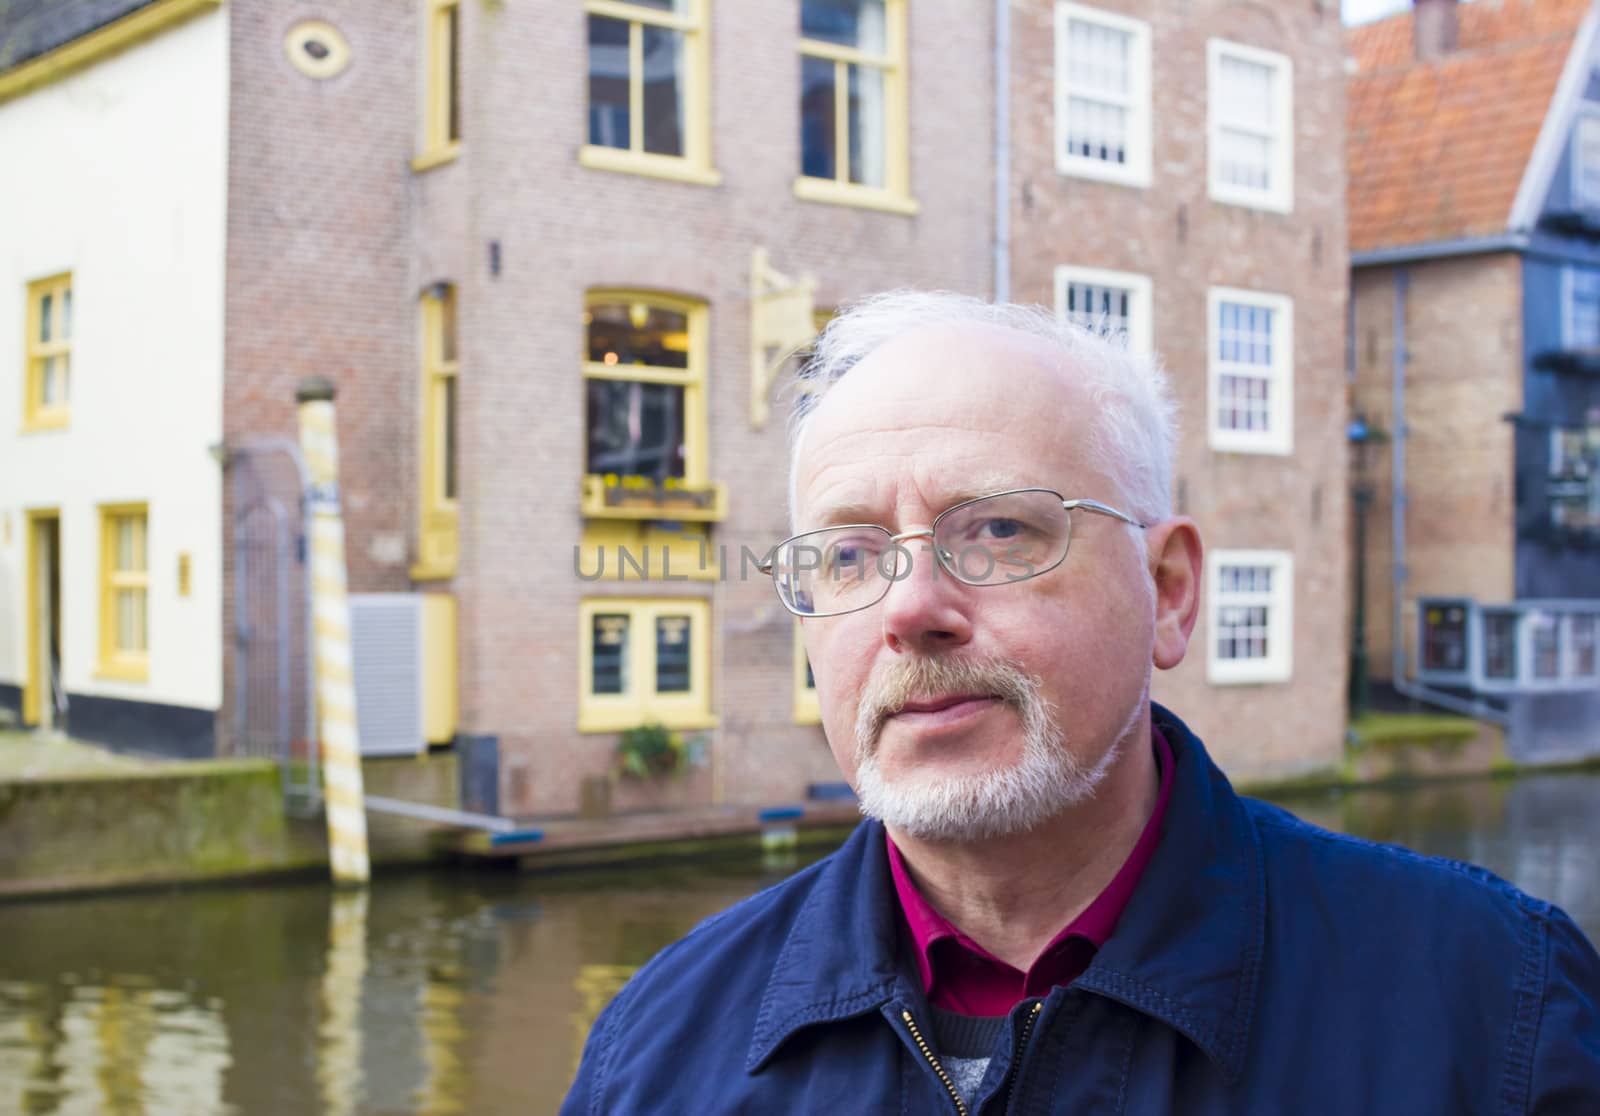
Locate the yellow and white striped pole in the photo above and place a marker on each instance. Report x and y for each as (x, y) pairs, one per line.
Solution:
(342, 789)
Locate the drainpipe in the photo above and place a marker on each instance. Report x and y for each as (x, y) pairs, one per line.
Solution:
(1002, 150)
(1478, 709)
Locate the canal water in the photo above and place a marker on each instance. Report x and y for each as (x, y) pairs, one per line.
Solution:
(460, 992)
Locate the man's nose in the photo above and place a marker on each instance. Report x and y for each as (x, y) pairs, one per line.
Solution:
(926, 609)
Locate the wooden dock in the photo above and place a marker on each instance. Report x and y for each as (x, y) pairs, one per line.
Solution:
(569, 842)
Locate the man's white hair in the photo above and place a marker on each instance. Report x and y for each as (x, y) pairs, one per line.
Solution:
(1134, 425)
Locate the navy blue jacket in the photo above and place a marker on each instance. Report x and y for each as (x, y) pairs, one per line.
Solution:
(1263, 966)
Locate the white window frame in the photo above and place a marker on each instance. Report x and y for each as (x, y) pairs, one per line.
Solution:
(1278, 438)
(1588, 114)
(1136, 171)
(1279, 198)
(1140, 310)
(1278, 666)
(1569, 284)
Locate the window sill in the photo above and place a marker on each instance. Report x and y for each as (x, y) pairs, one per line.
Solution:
(1247, 199)
(122, 672)
(1223, 444)
(832, 192)
(45, 422)
(1097, 170)
(689, 504)
(1264, 674)
(621, 720)
(669, 167)
(438, 157)
(423, 571)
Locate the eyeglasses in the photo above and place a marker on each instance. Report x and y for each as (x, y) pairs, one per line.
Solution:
(997, 539)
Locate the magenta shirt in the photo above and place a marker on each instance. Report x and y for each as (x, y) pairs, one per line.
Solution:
(960, 975)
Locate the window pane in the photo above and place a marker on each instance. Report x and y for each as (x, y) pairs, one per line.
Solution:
(50, 386)
(868, 128)
(609, 653)
(452, 77)
(816, 118)
(1100, 309)
(447, 485)
(1244, 159)
(123, 526)
(1099, 75)
(1573, 484)
(852, 23)
(1584, 649)
(1500, 645)
(1586, 163)
(1546, 646)
(46, 316)
(1444, 639)
(1583, 311)
(672, 654)
(447, 325)
(681, 7)
(663, 91)
(635, 429)
(608, 82)
(1098, 59)
(66, 314)
(1096, 130)
(638, 333)
(126, 620)
(1245, 98)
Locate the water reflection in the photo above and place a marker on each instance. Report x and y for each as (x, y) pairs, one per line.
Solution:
(71, 1048)
(453, 993)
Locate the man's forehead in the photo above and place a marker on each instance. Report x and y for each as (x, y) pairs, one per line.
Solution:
(951, 374)
(975, 408)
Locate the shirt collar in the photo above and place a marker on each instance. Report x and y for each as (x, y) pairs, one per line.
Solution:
(1093, 925)
(1187, 950)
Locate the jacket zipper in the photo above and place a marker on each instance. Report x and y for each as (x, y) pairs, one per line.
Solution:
(1022, 1046)
(927, 1052)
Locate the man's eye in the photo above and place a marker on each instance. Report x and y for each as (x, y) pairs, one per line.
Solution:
(1000, 528)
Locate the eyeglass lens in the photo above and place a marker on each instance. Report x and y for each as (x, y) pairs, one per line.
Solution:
(1007, 537)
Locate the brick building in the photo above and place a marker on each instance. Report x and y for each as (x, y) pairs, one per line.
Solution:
(1474, 150)
(542, 250)
(1212, 222)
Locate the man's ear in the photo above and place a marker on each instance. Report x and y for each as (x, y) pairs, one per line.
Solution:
(1176, 559)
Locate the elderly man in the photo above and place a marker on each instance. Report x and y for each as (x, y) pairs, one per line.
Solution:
(1058, 904)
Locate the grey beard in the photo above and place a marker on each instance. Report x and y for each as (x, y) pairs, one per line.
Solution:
(1000, 803)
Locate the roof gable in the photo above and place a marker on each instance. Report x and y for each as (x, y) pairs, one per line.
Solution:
(30, 28)
(1438, 149)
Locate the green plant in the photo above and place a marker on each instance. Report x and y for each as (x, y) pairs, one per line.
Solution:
(650, 749)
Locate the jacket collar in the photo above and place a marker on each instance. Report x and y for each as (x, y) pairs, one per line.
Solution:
(1186, 951)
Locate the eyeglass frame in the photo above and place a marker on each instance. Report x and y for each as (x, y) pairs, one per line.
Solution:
(766, 565)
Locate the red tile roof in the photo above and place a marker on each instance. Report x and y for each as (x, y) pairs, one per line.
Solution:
(1437, 149)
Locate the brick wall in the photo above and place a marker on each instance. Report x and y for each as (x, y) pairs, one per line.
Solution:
(565, 229)
(1184, 242)
(1463, 331)
(332, 236)
(321, 270)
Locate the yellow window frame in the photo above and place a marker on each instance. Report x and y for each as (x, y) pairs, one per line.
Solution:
(36, 413)
(125, 663)
(806, 709)
(439, 516)
(441, 88)
(895, 195)
(694, 165)
(696, 419)
(640, 703)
